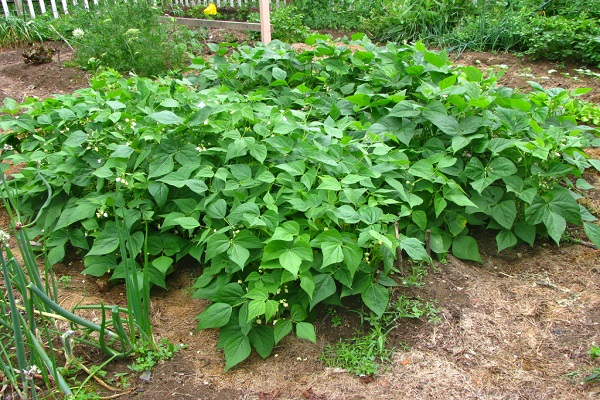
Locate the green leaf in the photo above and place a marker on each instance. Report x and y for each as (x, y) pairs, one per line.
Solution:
(555, 225)
(324, 287)
(466, 248)
(332, 253)
(166, 117)
(505, 239)
(162, 264)
(525, 232)
(231, 293)
(305, 330)
(237, 349)
(501, 166)
(281, 329)
(106, 242)
(307, 284)
(238, 254)
(159, 191)
(445, 123)
(99, 265)
(76, 139)
(187, 222)
(376, 297)
(505, 213)
(161, 166)
(214, 316)
(593, 233)
(329, 183)
(262, 339)
(216, 244)
(414, 248)
(217, 209)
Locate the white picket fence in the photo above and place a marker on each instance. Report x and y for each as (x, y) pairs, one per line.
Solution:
(58, 7)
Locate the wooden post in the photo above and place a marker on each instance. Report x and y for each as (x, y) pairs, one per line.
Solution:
(19, 6)
(265, 21)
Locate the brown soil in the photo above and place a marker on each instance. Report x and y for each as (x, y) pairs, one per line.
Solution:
(516, 326)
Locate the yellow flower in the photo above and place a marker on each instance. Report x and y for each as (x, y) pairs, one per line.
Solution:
(210, 10)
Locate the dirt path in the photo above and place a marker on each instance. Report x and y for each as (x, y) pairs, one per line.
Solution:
(517, 326)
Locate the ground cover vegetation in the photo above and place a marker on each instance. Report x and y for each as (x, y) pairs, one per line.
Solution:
(296, 178)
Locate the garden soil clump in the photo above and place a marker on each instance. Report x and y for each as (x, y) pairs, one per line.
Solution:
(517, 326)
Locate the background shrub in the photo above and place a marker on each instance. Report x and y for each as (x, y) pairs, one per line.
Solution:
(127, 37)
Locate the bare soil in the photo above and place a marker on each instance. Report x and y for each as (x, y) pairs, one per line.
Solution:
(517, 326)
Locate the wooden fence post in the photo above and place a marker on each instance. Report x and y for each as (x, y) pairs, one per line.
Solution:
(19, 5)
(265, 21)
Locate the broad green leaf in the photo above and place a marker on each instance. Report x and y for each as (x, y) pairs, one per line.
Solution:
(329, 183)
(238, 254)
(505, 239)
(505, 213)
(166, 117)
(217, 209)
(353, 255)
(593, 232)
(525, 232)
(376, 297)
(446, 123)
(106, 242)
(305, 330)
(159, 191)
(298, 313)
(281, 329)
(76, 139)
(216, 244)
(414, 248)
(307, 284)
(262, 339)
(231, 293)
(99, 265)
(332, 253)
(187, 222)
(214, 316)
(162, 264)
(501, 166)
(237, 349)
(161, 166)
(555, 225)
(324, 287)
(256, 308)
(466, 248)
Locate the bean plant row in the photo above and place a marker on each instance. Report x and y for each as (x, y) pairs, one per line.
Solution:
(296, 178)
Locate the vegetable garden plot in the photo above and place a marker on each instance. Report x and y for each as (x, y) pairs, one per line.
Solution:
(286, 175)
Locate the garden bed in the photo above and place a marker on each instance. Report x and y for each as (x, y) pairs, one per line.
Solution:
(518, 325)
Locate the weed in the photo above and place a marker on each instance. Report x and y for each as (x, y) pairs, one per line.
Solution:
(65, 281)
(336, 319)
(148, 357)
(594, 352)
(363, 354)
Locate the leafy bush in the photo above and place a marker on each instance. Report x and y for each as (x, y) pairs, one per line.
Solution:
(129, 36)
(287, 25)
(16, 31)
(409, 21)
(296, 178)
(560, 38)
(336, 14)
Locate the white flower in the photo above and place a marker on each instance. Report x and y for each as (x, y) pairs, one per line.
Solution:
(201, 105)
(7, 147)
(4, 236)
(78, 32)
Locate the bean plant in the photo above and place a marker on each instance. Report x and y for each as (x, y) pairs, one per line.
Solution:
(297, 178)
